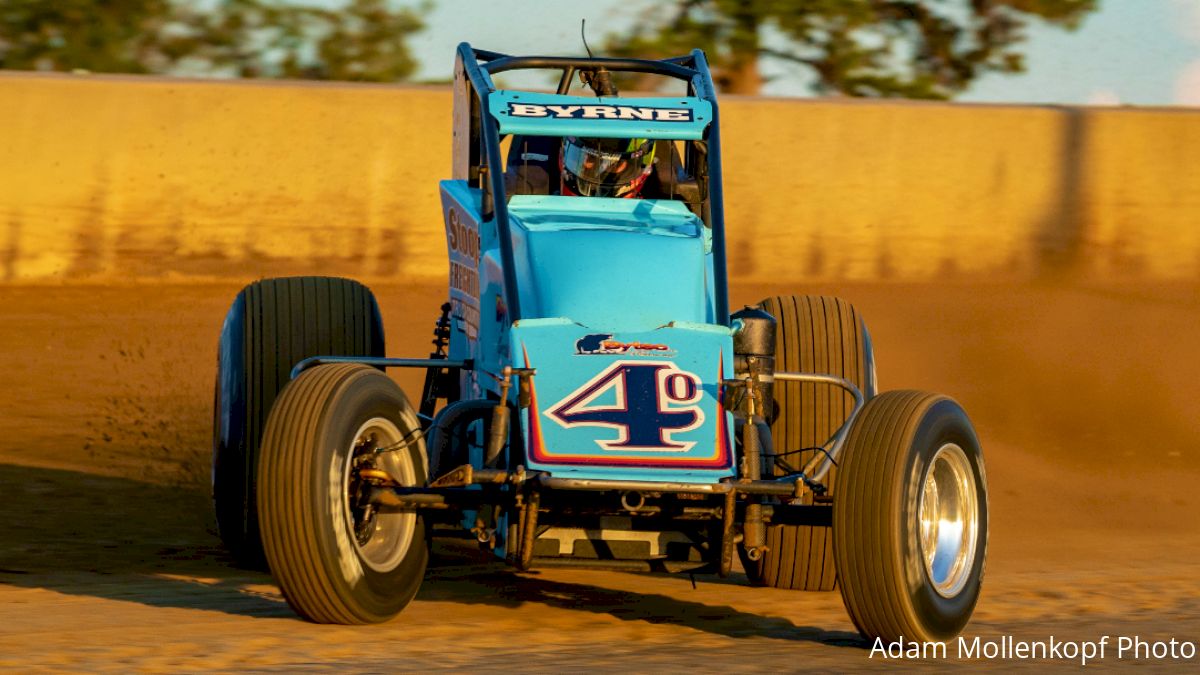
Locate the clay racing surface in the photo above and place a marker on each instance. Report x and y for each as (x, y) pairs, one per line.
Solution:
(1085, 399)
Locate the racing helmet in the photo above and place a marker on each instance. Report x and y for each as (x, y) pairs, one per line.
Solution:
(605, 167)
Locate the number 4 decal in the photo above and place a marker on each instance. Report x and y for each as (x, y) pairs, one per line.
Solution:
(650, 402)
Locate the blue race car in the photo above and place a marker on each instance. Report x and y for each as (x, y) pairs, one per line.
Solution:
(590, 400)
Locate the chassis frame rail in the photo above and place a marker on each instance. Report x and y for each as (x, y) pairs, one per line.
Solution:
(379, 362)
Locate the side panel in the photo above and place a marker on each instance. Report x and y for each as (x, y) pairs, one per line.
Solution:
(460, 209)
(479, 315)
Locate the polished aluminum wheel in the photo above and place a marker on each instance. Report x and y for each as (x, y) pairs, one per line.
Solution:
(949, 513)
(381, 539)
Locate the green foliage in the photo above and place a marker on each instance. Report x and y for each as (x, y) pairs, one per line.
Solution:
(360, 40)
(909, 48)
(114, 36)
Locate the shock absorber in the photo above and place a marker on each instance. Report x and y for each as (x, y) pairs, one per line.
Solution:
(754, 342)
(435, 377)
(754, 363)
(441, 333)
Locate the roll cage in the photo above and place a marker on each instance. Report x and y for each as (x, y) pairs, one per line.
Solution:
(478, 159)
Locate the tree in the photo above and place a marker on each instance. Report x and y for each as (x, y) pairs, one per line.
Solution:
(909, 48)
(121, 36)
(361, 40)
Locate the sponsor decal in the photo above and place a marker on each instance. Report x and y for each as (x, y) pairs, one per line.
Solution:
(601, 112)
(602, 343)
(462, 240)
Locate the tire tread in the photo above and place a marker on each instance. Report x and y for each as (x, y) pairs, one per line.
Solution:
(284, 321)
(818, 334)
(289, 472)
(885, 427)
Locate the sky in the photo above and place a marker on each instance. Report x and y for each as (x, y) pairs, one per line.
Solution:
(1134, 52)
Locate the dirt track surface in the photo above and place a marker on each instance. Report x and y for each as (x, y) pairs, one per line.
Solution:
(1084, 398)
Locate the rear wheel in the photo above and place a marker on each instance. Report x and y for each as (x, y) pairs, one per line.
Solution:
(272, 325)
(337, 558)
(911, 519)
(813, 334)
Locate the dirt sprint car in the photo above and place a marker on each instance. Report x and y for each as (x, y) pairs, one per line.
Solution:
(590, 400)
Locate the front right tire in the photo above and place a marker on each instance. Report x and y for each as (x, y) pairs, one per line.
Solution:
(813, 334)
(910, 521)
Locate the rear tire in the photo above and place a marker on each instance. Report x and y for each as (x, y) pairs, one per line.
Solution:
(338, 561)
(272, 325)
(813, 334)
(911, 519)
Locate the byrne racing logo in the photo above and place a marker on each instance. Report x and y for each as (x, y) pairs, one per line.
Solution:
(602, 343)
(597, 112)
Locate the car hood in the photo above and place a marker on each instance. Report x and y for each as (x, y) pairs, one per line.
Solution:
(611, 264)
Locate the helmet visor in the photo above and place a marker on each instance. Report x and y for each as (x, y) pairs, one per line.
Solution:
(602, 166)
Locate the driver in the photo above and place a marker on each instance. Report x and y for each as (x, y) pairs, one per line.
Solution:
(573, 166)
(605, 167)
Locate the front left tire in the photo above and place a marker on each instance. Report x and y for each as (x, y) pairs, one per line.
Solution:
(272, 325)
(337, 558)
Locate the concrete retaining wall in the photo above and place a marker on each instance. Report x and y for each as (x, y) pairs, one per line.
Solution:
(116, 178)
